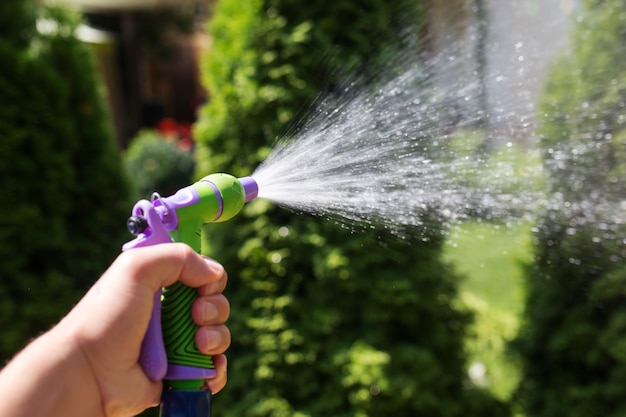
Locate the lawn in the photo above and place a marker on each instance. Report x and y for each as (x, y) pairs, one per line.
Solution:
(491, 259)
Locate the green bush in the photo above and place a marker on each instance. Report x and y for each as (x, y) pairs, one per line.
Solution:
(573, 341)
(65, 194)
(324, 321)
(157, 165)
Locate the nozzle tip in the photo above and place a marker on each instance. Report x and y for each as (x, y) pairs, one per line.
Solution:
(250, 187)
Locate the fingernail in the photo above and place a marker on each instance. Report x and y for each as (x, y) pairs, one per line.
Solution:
(209, 311)
(214, 266)
(212, 339)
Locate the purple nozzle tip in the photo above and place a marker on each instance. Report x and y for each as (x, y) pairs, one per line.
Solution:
(250, 187)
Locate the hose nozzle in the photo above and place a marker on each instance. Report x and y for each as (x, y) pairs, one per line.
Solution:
(215, 198)
(250, 187)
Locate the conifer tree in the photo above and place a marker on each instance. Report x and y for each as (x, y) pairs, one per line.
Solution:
(65, 194)
(572, 343)
(325, 322)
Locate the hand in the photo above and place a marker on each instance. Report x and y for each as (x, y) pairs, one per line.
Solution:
(88, 364)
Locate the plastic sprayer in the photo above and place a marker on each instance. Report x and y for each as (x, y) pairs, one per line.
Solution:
(168, 351)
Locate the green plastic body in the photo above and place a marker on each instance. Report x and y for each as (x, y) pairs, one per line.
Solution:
(177, 324)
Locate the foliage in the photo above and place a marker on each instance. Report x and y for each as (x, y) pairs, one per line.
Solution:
(324, 321)
(572, 342)
(157, 164)
(65, 193)
(17, 20)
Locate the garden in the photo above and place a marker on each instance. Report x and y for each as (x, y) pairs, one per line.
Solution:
(497, 313)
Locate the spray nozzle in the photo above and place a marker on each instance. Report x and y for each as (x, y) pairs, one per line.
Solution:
(215, 198)
(250, 187)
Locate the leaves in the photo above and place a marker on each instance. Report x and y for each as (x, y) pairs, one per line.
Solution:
(573, 341)
(62, 177)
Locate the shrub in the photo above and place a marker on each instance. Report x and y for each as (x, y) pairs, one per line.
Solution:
(66, 197)
(572, 342)
(324, 322)
(157, 164)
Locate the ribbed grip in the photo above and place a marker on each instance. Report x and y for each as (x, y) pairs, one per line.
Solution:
(179, 329)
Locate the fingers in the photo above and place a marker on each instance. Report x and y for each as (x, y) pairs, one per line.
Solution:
(217, 383)
(213, 340)
(215, 287)
(210, 309)
(210, 313)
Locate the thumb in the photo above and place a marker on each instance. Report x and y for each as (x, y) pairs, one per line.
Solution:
(162, 265)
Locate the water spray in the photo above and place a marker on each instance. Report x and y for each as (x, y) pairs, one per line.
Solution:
(168, 351)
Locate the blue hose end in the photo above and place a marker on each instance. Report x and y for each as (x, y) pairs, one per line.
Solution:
(186, 403)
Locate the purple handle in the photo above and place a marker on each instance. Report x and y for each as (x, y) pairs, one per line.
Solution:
(152, 357)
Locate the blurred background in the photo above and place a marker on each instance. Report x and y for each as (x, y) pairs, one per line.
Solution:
(103, 102)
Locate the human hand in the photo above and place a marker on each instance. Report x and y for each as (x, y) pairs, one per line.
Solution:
(110, 322)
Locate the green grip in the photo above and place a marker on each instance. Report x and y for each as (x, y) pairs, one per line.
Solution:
(179, 331)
